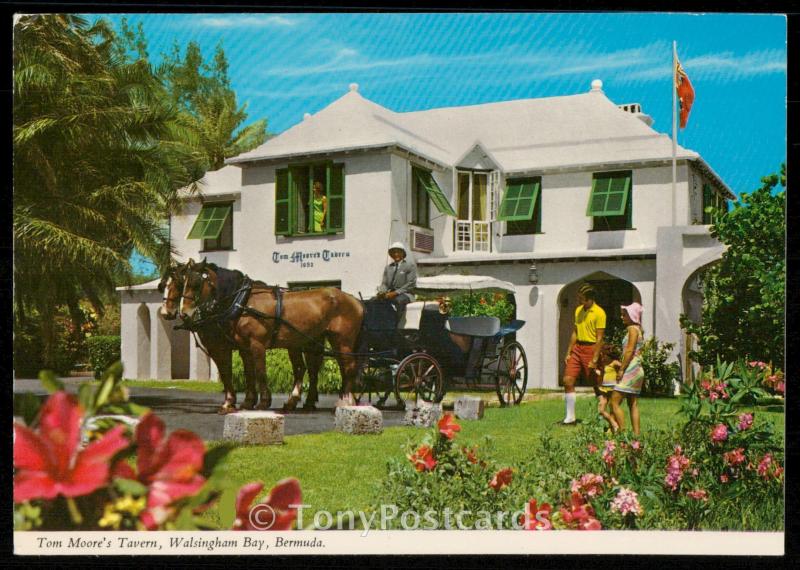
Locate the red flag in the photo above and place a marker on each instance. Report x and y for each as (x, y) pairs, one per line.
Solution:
(685, 92)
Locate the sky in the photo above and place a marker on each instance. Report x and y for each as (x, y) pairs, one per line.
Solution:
(285, 65)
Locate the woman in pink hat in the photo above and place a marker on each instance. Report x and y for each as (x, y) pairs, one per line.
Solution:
(631, 374)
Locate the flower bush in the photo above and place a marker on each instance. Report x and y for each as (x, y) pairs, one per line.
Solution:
(69, 476)
(720, 467)
(475, 304)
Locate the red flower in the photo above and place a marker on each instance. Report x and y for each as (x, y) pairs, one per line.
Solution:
(537, 518)
(470, 453)
(277, 512)
(579, 514)
(170, 468)
(501, 479)
(423, 459)
(49, 463)
(448, 426)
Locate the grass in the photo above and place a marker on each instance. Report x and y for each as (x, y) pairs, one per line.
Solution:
(339, 472)
(190, 385)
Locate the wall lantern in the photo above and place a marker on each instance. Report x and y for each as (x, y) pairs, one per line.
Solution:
(533, 274)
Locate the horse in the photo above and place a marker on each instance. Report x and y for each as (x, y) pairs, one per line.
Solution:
(299, 321)
(218, 347)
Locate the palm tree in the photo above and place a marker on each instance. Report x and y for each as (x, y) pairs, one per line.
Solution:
(99, 156)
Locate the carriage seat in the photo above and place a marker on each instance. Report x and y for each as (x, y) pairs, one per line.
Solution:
(412, 317)
(474, 326)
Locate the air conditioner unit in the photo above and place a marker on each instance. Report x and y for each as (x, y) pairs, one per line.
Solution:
(421, 241)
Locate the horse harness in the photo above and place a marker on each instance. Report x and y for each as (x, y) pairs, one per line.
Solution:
(211, 315)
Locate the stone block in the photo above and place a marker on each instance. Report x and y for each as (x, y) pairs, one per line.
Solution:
(358, 420)
(422, 414)
(254, 428)
(469, 408)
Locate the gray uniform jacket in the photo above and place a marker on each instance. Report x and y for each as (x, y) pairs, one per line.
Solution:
(400, 277)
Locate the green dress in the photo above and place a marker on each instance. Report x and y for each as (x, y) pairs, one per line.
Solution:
(319, 213)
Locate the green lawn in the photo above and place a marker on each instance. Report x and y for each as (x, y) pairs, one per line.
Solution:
(338, 472)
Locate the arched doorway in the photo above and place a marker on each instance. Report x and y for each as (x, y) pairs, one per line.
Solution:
(143, 332)
(692, 307)
(611, 293)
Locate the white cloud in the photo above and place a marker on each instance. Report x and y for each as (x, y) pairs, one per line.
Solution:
(723, 66)
(248, 21)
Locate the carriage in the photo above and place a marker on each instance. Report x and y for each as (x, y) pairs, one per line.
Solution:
(427, 351)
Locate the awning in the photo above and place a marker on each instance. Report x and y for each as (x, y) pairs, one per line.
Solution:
(463, 282)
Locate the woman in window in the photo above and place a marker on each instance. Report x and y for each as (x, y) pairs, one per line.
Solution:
(320, 208)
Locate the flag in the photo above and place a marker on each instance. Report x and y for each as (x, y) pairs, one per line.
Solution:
(685, 92)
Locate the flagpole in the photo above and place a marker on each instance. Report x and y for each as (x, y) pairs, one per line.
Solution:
(674, 130)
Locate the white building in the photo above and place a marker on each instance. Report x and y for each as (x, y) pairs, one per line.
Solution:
(545, 193)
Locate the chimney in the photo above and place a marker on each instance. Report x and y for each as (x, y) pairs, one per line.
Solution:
(635, 109)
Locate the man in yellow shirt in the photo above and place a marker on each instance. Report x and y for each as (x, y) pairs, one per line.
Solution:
(584, 347)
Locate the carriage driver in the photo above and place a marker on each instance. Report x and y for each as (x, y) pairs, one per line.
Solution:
(399, 278)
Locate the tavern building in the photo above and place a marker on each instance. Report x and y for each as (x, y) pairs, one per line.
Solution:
(544, 193)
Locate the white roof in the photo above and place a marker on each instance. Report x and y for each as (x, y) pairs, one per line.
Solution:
(525, 135)
(463, 282)
(223, 182)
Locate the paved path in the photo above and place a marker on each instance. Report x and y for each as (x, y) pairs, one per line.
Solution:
(197, 411)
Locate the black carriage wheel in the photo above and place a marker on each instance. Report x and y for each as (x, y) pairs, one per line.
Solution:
(511, 377)
(368, 384)
(419, 376)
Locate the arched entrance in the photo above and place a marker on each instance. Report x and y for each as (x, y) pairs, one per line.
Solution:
(611, 293)
(143, 332)
(692, 306)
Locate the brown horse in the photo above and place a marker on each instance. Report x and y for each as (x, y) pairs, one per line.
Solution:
(307, 320)
(219, 347)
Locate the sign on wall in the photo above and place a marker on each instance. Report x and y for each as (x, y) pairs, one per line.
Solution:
(307, 259)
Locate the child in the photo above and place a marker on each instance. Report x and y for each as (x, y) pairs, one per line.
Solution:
(630, 376)
(609, 362)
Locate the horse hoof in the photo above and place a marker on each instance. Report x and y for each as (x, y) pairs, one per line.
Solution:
(264, 404)
(310, 406)
(224, 410)
(248, 405)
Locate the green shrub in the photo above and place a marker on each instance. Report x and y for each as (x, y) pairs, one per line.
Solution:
(281, 378)
(483, 305)
(103, 352)
(720, 468)
(659, 374)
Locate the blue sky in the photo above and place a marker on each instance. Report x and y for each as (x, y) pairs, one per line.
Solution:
(284, 65)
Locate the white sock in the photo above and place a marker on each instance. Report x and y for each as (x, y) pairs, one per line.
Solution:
(569, 400)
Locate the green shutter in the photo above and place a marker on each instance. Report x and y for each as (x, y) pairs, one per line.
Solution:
(708, 204)
(282, 202)
(437, 196)
(335, 185)
(209, 222)
(519, 200)
(609, 194)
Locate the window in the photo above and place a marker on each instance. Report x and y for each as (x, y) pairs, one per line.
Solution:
(309, 199)
(521, 207)
(214, 225)
(610, 203)
(420, 205)
(714, 204)
(425, 179)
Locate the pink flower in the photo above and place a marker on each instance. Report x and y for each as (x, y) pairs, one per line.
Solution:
(170, 468)
(589, 485)
(698, 495)
(723, 478)
(592, 448)
(695, 472)
(579, 514)
(626, 502)
(501, 479)
(49, 462)
(735, 457)
(636, 445)
(745, 421)
(608, 453)
(757, 364)
(768, 468)
(780, 387)
(719, 433)
(281, 503)
(676, 465)
(448, 426)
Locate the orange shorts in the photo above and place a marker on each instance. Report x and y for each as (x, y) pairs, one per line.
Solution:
(578, 363)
